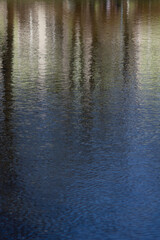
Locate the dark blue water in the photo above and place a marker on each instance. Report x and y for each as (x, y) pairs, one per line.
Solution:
(79, 120)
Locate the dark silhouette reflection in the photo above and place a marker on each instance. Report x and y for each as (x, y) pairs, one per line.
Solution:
(7, 135)
(126, 41)
(8, 185)
(7, 63)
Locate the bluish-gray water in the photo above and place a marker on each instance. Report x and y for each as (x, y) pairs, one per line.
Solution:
(80, 120)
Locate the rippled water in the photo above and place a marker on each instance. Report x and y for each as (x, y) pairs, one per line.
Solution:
(80, 120)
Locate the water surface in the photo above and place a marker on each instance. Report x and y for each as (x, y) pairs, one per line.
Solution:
(79, 120)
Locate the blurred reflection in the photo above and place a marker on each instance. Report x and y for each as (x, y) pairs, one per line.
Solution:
(79, 119)
(42, 39)
(8, 184)
(6, 143)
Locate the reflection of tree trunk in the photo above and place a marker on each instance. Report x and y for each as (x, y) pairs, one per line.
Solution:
(7, 65)
(7, 154)
(126, 41)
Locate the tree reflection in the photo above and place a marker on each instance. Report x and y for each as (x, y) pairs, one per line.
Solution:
(8, 175)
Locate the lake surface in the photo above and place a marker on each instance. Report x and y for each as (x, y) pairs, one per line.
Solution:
(80, 120)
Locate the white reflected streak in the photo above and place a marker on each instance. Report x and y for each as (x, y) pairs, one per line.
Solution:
(108, 7)
(87, 52)
(128, 7)
(31, 28)
(31, 36)
(42, 41)
(53, 37)
(77, 56)
(65, 45)
(3, 23)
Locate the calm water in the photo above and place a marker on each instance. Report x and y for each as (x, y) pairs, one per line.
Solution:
(80, 120)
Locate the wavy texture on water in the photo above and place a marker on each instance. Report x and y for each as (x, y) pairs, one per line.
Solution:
(79, 120)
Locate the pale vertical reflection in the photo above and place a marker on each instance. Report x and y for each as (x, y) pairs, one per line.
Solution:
(17, 48)
(53, 36)
(20, 51)
(66, 42)
(108, 6)
(77, 56)
(149, 37)
(87, 42)
(3, 19)
(127, 7)
(3, 24)
(149, 34)
(31, 36)
(42, 42)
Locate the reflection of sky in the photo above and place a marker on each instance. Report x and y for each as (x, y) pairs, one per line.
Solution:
(85, 123)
